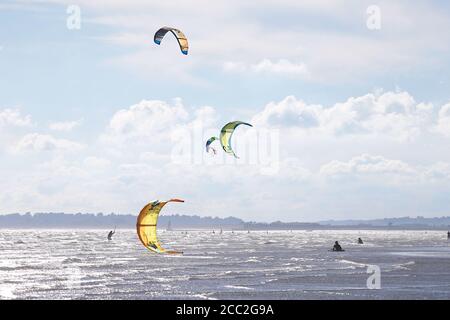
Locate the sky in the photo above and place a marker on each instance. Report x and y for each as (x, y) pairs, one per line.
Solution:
(349, 102)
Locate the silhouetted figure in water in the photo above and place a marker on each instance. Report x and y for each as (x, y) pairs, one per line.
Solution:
(152, 245)
(110, 234)
(337, 247)
(360, 241)
(448, 235)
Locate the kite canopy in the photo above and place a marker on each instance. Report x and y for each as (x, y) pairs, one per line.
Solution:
(208, 144)
(146, 226)
(227, 132)
(181, 38)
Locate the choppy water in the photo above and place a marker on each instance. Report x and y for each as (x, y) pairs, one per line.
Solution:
(63, 264)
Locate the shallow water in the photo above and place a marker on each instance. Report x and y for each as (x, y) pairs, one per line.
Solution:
(83, 264)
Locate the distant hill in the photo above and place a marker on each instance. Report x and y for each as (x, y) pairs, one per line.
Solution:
(278, 225)
(403, 222)
(108, 221)
(100, 220)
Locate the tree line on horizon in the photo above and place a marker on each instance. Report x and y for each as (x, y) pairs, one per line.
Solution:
(101, 220)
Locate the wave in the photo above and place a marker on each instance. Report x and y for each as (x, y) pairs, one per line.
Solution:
(203, 296)
(238, 287)
(354, 263)
(7, 293)
(404, 266)
(71, 260)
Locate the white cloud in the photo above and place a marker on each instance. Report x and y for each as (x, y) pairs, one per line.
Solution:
(437, 171)
(97, 163)
(443, 124)
(43, 142)
(64, 125)
(369, 169)
(154, 124)
(231, 66)
(289, 112)
(267, 66)
(393, 114)
(147, 117)
(281, 66)
(128, 39)
(13, 117)
(366, 164)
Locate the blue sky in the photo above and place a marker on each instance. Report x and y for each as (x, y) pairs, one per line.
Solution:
(92, 119)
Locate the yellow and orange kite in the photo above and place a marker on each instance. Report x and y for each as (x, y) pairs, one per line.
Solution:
(146, 226)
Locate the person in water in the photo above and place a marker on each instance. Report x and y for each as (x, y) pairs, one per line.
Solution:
(110, 234)
(360, 241)
(152, 245)
(337, 247)
(448, 235)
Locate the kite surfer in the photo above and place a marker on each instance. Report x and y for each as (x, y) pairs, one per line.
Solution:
(111, 233)
(337, 247)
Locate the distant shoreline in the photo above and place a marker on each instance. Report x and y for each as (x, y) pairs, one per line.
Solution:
(194, 222)
(217, 230)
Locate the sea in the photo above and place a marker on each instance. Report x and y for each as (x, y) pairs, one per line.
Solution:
(83, 264)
